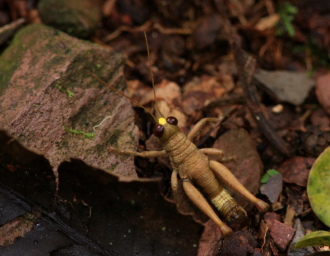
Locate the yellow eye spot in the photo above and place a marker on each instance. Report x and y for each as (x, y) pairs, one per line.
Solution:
(162, 121)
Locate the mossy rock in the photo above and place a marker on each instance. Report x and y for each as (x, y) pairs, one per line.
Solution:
(50, 101)
(77, 18)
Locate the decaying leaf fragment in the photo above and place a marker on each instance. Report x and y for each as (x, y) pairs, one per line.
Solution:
(17, 228)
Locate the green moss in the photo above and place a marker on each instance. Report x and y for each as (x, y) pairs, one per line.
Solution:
(114, 167)
(115, 137)
(60, 86)
(69, 93)
(10, 59)
(78, 20)
(79, 132)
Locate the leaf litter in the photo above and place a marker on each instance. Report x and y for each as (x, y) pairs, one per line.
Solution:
(306, 130)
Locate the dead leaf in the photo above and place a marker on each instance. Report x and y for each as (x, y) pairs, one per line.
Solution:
(208, 29)
(296, 170)
(268, 22)
(247, 165)
(323, 91)
(292, 87)
(197, 91)
(17, 227)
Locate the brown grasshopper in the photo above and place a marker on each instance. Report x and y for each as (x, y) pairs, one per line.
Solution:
(199, 175)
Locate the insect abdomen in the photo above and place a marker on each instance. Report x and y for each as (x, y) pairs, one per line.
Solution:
(190, 162)
(234, 214)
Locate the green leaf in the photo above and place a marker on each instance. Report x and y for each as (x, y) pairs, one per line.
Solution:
(318, 187)
(268, 174)
(313, 239)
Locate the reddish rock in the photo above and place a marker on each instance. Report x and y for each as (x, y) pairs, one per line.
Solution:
(270, 217)
(281, 233)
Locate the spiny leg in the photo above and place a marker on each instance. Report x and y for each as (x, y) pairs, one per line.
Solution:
(144, 154)
(198, 199)
(194, 131)
(231, 181)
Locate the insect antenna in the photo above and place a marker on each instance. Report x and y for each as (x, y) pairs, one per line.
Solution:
(152, 73)
(123, 94)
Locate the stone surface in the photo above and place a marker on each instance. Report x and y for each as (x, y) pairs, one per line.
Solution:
(77, 18)
(50, 102)
(292, 87)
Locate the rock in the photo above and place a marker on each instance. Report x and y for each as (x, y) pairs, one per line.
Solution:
(292, 87)
(273, 188)
(51, 103)
(77, 18)
(281, 233)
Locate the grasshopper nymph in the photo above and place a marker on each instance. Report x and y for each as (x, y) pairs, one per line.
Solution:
(199, 175)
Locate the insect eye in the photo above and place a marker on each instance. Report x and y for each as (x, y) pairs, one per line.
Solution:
(172, 120)
(159, 130)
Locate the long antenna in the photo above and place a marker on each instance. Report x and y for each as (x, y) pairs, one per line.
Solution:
(151, 73)
(123, 94)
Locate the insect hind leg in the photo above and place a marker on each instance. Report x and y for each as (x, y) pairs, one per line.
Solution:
(231, 181)
(199, 200)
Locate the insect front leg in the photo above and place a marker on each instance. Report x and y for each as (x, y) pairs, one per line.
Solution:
(195, 130)
(231, 181)
(144, 154)
(198, 199)
(217, 152)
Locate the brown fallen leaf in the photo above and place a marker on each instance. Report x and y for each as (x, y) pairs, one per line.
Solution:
(239, 243)
(210, 241)
(17, 227)
(296, 170)
(198, 91)
(208, 29)
(246, 164)
(323, 91)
